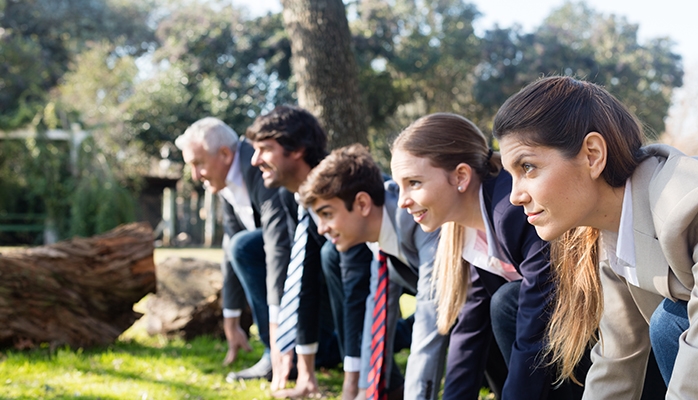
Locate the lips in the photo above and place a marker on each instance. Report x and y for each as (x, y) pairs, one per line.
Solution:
(533, 216)
(417, 215)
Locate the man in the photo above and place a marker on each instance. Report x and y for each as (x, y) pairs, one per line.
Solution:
(256, 236)
(289, 143)
(354, 205)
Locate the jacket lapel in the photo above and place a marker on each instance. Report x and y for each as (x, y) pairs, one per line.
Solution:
(652, 267)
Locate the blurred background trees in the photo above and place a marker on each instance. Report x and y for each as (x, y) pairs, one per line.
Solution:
(135, 74)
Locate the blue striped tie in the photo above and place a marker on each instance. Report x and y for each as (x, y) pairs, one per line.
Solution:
(288, 310)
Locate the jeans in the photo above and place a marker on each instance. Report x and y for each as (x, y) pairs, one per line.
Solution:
(667, 324)
(245, 251)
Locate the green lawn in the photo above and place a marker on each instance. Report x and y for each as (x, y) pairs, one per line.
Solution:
(139, 367)
(142, 367)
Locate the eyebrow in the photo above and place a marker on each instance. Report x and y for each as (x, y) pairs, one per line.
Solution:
(520, 157)
(320, 209)
(411, 177)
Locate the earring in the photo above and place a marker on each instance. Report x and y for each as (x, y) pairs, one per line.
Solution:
(460, 188)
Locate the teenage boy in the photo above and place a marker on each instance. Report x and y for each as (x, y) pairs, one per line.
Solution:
(354, 205)
(256, 237)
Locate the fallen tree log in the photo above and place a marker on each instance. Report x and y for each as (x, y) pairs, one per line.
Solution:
(188, 300)
(78, 292)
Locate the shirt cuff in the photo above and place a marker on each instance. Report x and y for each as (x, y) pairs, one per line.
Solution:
(307, 348)
(352, 364)
(228, 313)
(274, 314)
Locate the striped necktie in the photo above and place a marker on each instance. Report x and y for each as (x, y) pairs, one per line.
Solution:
(288, 310)
(376, 380)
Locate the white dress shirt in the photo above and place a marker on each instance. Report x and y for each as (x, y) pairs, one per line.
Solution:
(479, 249)
(618, 249)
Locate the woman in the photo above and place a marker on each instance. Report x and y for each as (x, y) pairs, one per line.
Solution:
(624, 232)
(448, 176)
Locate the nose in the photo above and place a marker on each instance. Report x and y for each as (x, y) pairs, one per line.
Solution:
(518, 196)
(195, 174)
(322, 227)
(403, 201)
(255, 159)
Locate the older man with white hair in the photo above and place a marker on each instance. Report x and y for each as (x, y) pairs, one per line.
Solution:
(256, 236)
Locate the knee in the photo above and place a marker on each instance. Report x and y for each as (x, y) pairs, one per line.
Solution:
(659, 325)
(504, 302)
(241, 244)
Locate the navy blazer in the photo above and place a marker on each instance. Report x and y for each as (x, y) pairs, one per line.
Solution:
(519, 244)
(269, 215)
(312, 281)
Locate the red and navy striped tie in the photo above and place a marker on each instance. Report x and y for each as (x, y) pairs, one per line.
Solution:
(376, 380)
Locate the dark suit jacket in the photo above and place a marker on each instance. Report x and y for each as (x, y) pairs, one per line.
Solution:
(270, 216)
(519, 244)
(312, 282)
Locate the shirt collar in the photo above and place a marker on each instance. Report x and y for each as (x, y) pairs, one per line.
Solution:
(234, 176)
(387, 237)
(491, 240)
(625, 246)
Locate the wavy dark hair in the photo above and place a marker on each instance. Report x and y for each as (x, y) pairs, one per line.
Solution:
(293, 128)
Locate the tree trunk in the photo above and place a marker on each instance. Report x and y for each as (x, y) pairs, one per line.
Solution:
(78, 292)
(325, 68)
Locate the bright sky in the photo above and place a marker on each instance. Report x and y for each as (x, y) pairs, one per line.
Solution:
(672, 18)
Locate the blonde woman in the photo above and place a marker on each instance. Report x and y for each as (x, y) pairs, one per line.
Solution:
(487, 251)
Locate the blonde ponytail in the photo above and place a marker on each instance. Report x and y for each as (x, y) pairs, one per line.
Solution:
(451, 275)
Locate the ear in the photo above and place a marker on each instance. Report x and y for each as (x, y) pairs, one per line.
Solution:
(227, 154)
(363, 203)
(463, 175)
(297, 154)
(595, 153)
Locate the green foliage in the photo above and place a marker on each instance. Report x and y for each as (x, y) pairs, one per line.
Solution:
(21, 79)
(99, 203)
(137, 74)
(39, 39)
(212, 62)
(46, 165)
(415, 58)
(577, 41)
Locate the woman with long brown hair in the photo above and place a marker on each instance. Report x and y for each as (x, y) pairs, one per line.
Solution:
(623, 224)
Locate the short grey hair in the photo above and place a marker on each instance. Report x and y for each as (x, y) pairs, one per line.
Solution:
(211, 132)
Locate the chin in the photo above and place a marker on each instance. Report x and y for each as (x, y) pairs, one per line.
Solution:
(271, 184)
(428, 228)
(547, 234)
(341, 248)
(214, 189)
(344, 246)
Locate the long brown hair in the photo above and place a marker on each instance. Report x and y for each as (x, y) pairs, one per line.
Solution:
(558, 112)
(447, 140)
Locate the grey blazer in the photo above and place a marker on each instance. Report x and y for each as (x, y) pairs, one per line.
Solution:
(426, 361)
(270, 216)
(665, 223)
